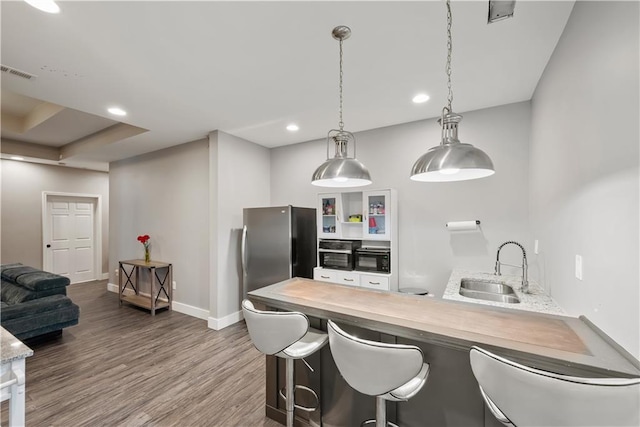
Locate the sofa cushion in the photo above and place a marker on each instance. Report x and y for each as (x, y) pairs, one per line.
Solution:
(32, 278)
(14, 294)
(34, 307)
(15, 264)
(39, 316)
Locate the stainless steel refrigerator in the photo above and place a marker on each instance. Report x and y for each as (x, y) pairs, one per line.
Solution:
(278, 243)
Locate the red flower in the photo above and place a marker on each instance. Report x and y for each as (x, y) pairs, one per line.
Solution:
(144, 239)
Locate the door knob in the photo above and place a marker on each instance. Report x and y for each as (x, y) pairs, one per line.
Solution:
(48, 246)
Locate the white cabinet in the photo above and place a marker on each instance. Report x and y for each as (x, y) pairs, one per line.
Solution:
(350, 278)
(328, 222)
(378, 215)
(375, 281)
(325, 275)
(368, 216)
(357, 215)
(381, 282)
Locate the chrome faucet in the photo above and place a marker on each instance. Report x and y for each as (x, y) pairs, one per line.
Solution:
(524, 267)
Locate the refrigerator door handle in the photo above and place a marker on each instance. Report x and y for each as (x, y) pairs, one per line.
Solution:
(243, 250)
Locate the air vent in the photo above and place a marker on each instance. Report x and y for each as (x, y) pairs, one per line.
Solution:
(16, 72)
(499, 10)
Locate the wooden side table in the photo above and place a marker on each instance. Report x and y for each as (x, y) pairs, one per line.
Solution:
(161, 273)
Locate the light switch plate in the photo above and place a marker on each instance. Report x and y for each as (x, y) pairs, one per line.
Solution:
(535, 246)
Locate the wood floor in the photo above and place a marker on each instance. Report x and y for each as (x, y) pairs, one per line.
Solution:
(121, 367)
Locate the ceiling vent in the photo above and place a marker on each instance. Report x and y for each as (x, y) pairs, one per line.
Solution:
(499, 10)
(16, 72)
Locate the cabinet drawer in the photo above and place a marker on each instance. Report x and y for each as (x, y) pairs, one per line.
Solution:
(374, 282)
(325, 275)
(351, 279)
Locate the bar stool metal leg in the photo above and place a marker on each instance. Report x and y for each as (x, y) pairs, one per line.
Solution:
(381, 412)
(289, 391)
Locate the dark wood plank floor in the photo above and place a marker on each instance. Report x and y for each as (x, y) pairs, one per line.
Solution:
(122, 367)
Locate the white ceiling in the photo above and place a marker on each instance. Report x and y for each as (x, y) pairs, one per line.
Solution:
(183, 69)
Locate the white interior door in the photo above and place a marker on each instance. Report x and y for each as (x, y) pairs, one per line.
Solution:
(69, 237)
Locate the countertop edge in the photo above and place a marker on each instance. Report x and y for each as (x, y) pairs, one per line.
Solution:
(604, 358)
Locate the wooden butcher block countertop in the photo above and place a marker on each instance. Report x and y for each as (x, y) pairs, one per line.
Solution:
(557, 343)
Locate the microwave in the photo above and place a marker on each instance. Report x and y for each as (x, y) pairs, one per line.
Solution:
(377, 260)
(338, 254)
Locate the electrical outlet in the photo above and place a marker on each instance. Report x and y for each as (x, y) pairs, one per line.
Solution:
(174, 285)
(579, 267)
(535, 246)
(117, 272)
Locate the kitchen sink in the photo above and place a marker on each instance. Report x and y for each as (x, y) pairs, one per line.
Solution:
(488, 290)
(486, 286)
(489, 296)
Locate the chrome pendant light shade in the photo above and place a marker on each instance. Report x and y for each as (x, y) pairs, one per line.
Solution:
(451, 160)
(341, 170)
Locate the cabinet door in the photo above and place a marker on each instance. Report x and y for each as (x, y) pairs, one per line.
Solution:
(374, 282)
(328, 216)
(325, 275)
(377, 225)
(348, 278)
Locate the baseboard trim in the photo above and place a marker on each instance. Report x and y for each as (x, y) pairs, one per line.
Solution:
(187, 309)
(223, 322)
(104, 276)
(190, 310)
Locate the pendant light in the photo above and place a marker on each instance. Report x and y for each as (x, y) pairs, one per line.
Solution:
(341, 170)
(451, 160)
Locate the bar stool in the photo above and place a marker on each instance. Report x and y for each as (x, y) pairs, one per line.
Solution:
(518, 395)
(393, 372)
(286, 335)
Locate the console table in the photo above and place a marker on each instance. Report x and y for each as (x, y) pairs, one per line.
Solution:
(161, 279)
(13, 375)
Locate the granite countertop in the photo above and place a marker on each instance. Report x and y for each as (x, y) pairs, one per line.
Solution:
(12, 348)
(537, 300)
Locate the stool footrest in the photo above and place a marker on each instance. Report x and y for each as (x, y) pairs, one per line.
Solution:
(373, 422)
(302, 408)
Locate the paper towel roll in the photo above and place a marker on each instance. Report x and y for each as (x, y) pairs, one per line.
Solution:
(463, 225)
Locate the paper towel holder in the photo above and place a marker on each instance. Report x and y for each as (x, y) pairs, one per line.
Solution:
(463, 225)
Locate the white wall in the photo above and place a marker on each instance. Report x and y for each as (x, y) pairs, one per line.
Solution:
(165, 194)
(584, 164)
(239, 178)
(22, 187)
(427, 251)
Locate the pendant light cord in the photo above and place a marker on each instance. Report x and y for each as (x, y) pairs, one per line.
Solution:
(449, 49)
(341, 123)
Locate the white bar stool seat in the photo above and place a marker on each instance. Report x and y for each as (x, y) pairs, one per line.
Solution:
(393, 372)
(521, 396)
(286, 335)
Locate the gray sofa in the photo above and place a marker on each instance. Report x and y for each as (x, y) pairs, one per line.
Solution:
(34, 302)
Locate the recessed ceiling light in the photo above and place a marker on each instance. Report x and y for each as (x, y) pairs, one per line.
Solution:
(117, 111)
(48, 6)
(420, 98)
(16, 158)
(293, 127)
